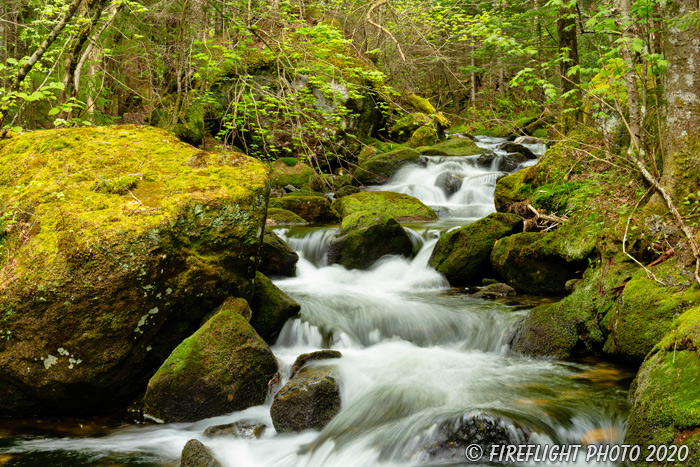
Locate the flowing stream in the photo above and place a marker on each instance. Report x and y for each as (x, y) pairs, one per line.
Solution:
(415, 354)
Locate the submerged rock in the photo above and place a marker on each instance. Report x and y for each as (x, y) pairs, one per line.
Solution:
(126, 224)
(365, 237)
(449, 182)
(463, 255)
(196, 454)
(276, 257)
(403, 207)
(381, 167)
(308, 401)
(242, 429)
(271, 308)
(305, 358)
(223, 367)
(495, 291)
(310, 208)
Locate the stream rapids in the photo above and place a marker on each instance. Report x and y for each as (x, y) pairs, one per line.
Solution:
(415, 353)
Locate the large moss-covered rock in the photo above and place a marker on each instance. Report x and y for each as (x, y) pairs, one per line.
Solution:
(463, 255)
(666, 392)
(121, 240)
(276, 257)
(423, 136)
(402, 130)
(510, 190)
(221, 368)
(365, 237)
(403, 207)
(271, 308)
(308, 401)
(381, 167)
(196, 454)
(310, 208)
(534, 263)
(289, 171)
(453, 147)
(276, 216)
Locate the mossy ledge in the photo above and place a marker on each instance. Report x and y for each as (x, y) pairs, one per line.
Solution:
(121, 240)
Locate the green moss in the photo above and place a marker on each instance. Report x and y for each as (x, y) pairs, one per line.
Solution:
(290, 161)
(190, 128)
(404, 128)
(453, 147)
(271, 308)
(381, 167)
(298, 175)
(423, 105)
(283, 217)
(403, 207)
(463, 255)
(512, 189)
(423, 136)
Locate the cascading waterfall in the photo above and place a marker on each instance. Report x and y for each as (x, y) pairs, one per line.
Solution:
(415, 354)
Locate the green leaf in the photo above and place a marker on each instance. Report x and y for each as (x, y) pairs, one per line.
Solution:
(54, 111)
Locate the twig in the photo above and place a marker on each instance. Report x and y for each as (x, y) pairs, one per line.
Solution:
(670, 253)
(376, 4)
(547, 217)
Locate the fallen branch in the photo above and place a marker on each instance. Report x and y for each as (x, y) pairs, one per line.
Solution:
(670, 253)
(547, 217)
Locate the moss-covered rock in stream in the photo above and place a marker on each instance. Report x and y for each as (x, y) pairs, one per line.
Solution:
(221, 368)
(402, 130)
(276, 216)
(463, 255)
(276, 257)
(423, 136)
(365, 237)
(511, 190)
(453, 147)
(196, 454)
(403, 207)
(122, 240)
(315, 209)
(666, 392)
(381, 167)
(308, 401)
(271, 308)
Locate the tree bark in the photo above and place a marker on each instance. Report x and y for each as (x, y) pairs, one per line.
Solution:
(570, 82)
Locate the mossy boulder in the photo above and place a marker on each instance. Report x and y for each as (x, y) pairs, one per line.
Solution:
(123, 239)
(424, 105)
(381, 167)
(511, 190)
(308, 401)
(221, 368)
(453, 147)
(190, 127)
(298, 175)
(315, 209)
(271, 308)
(534, 263)
(365, 237)
(402, 130)
(495, 291)
(276, 216)
(403, 207)
(463, 255)
(276, 257)
(196, 454)
(423, 136)
(666, 392)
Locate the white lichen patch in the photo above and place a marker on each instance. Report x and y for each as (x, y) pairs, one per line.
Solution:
(168, 291)
(49, 361)
(144, 319)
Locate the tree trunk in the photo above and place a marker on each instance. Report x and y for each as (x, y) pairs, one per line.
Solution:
(681, 139)
(570, 82)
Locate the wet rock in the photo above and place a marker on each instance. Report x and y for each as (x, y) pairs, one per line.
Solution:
(271, 308)
(506, 163)
(276, 257)
(310, 208)
(449, 182)
(196, 454)
(481, 428)
(380, 168)
(305, 358)
(403, 207)
(290, 188)
(246, 429)
(308, 401)
(463, 255)
(530, 264)
(130, 266)
(365, 237)
(277, 217)
(223, 367)
(517, 148)
(495, 291)
(527, 140)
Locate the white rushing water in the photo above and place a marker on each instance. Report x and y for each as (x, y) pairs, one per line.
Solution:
(415, 354)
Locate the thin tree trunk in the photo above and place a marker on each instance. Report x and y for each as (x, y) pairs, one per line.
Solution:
(570, 81)
(635, 111)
